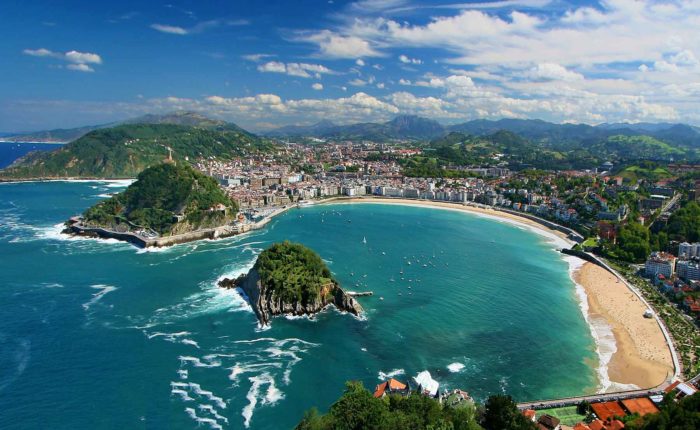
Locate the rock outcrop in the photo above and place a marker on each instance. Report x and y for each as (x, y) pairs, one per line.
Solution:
(267, 304)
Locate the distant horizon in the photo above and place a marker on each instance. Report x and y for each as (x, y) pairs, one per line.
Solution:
(4, 133)
(266, 64)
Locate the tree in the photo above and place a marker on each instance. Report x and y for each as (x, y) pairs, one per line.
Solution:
(633, 242)
(501, 413)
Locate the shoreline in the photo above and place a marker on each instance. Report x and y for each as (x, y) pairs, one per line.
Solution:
(632, 349)
(560, 238)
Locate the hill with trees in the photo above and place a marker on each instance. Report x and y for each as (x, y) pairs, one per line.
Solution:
(125, 150)
(168, 199)
(358, 409)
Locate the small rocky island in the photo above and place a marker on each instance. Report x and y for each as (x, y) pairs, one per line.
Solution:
(291, 279)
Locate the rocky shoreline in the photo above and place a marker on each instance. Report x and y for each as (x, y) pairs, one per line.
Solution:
(266, 305)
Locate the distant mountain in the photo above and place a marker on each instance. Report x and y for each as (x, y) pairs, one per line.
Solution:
(418, 128)
(187, 118)
(59, 135)
(317, 129)
(125, 150)
(401, 127)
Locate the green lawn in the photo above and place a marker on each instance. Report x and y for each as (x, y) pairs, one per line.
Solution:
(590, 242)
(567, 414)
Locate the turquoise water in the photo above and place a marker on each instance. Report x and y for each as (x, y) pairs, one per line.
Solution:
(96, 334)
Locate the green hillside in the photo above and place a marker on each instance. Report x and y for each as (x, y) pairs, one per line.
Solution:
(160, 193)
(126, 150)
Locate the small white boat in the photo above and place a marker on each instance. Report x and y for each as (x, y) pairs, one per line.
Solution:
(364, 240)
(381, 298)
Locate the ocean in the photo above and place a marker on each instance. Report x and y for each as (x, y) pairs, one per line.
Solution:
(98, 334)
(10, 151)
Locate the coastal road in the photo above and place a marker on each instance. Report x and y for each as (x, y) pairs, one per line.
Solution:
(594, 398)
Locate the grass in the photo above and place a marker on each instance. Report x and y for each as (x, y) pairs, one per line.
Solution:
(568, 414)
(591, 242)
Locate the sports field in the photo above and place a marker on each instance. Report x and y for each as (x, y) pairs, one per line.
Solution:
(567, 414)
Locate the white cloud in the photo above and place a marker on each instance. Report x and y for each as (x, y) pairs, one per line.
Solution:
(302, 70)
(332, 45)
(79, 60)
(317, 86)
(170, 29)
(83, 57)
(553, 72)
(80, 67)
(357, 82)
(360, 62)
(199, 27)
(256, 58)
(273, 67)
(406, 60)
(41, 52)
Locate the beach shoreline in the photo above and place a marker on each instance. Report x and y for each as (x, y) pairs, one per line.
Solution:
(562, 239)
(632, 350)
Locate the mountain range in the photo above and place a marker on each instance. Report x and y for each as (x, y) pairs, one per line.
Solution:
(64, 135)
(410, 127)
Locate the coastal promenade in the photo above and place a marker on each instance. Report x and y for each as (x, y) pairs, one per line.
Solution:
(593, 398)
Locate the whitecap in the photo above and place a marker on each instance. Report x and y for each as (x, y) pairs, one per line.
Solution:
(455, 367)
(104, 289)
(190, 342)
(391, 374)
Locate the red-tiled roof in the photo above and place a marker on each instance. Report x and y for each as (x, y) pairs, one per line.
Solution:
(396, 385)
(608, 410)
(581, 426)
(615, 425)
(379, 391)
(596, 425)
(529, 414)
(641, 406)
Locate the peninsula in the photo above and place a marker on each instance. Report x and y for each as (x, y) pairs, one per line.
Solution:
(167, 200)
(291, 279)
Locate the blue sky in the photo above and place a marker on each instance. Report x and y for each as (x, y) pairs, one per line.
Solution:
(267, 63)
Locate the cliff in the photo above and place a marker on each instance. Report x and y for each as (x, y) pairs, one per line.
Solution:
(279, 292)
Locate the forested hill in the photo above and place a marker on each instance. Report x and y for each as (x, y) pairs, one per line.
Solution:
(160, 193)
(126, 150)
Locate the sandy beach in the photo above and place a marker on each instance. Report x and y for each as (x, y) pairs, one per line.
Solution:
(456, 206)
(642, 357)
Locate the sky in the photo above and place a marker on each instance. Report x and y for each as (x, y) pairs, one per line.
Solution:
(267, 63)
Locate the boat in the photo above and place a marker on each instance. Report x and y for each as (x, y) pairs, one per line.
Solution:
(409, 263)
(381, 298)
(364, 239)
(383, 253)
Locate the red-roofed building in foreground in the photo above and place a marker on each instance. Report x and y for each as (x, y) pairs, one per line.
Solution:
(392, 386)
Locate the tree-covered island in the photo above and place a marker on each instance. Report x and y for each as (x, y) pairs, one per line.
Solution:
(291, 279)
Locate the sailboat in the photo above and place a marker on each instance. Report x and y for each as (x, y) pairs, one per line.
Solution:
(364, 239)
